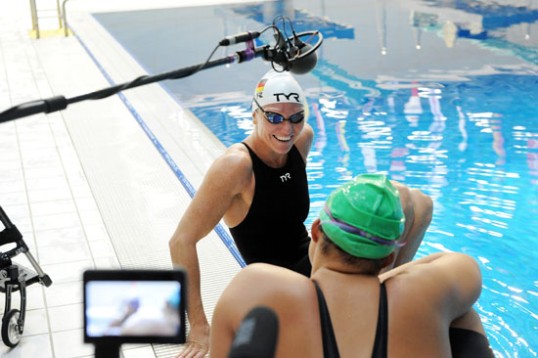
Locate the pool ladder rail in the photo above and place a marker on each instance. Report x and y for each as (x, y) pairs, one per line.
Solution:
(15, 277)
(48, 14)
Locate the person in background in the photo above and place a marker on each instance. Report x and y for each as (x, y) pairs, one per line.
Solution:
(259, 188)
(350, 308)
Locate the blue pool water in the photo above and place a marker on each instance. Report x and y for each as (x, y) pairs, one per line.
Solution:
(441, 97)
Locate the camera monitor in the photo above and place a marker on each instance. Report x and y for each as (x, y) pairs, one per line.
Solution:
(134, 306)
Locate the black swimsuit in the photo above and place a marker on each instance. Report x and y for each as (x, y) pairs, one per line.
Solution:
(330, 347)
(273, 230)
(464, 343)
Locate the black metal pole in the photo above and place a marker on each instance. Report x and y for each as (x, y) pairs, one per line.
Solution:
(58, 103)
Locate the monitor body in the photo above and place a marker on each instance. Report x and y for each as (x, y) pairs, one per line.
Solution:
(134, 306)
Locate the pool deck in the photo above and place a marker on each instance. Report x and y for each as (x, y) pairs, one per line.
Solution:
(100, 184)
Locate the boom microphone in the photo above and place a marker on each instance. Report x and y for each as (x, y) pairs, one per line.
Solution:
(242, 37)
(294, 55)
(290, 53)
(257, 335)
(304, 61)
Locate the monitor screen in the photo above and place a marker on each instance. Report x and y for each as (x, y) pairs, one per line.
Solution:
(134, 306)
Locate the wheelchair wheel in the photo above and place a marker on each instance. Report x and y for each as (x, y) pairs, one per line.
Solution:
(11, 332)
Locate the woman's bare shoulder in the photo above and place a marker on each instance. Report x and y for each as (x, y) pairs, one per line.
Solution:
(268, 280)
(235, 161)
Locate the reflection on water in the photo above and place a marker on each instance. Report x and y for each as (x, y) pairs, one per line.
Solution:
(440, 95)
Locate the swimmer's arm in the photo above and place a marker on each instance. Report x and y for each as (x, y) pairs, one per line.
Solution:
(452, 278)
(224, 180)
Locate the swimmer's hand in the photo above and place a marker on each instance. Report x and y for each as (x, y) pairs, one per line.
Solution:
(197, 345)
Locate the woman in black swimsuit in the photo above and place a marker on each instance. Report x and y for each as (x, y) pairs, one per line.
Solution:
(259, 188)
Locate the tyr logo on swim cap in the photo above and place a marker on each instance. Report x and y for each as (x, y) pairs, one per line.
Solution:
(278, 87)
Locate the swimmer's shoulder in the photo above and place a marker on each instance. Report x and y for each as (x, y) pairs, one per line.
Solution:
(277, 281)
(236, 159)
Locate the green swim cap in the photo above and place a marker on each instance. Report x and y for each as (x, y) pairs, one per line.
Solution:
(364, 217)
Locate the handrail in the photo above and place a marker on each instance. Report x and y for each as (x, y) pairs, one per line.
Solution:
(60, 13)
(35, 22)
(66, 31)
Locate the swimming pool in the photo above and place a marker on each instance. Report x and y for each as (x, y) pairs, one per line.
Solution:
(441, 98)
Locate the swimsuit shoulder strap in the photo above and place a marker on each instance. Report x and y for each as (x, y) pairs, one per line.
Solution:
(330, 347)
(381, 334)
(250, 151)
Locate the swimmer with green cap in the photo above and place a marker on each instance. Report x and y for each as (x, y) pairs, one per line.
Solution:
(353, 304)
(364, 217)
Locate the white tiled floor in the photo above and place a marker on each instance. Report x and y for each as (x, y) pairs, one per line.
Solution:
(85, 186)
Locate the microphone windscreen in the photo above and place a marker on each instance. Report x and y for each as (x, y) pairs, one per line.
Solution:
(304, 64)
(257, 335)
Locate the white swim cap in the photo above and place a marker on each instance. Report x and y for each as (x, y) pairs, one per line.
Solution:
(278, 87)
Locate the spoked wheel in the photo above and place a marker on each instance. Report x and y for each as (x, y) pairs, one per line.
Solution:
(11, 332)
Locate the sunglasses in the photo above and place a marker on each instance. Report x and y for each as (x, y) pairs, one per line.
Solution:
(277, 118)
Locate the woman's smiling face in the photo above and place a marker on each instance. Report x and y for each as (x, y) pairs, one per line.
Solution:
(280, 137)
